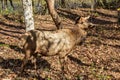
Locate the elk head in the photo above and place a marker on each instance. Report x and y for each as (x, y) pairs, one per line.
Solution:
(83, 23)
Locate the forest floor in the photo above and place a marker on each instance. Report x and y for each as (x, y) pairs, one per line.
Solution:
(98, 58)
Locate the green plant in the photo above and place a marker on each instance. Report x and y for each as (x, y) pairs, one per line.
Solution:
(4, 45)
(48, 78)
(103, 77)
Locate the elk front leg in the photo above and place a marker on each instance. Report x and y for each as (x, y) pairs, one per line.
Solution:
(25, 60)
(33, 60)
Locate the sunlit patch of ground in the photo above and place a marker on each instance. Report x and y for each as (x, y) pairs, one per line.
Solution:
(97, 58)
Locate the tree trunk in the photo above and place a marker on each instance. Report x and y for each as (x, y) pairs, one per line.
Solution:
(93, 5)
(11, 3)
(28, 15)
(118, 16)
(33, 3)
(53, 13)
(118, 11)
(63, 4)
(3, 3)
(39, 7)
(38, 3)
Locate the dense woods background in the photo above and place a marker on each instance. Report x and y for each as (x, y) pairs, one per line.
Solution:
(40, 5)
(98, 58)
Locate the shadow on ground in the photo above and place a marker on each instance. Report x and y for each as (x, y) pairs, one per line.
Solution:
(14, 66)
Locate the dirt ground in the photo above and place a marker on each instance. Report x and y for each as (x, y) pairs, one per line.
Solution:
(97, 58)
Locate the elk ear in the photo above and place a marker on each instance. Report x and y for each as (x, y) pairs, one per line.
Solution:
(77, 20)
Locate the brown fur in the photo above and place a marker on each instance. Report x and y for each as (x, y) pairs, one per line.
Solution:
(50, 43)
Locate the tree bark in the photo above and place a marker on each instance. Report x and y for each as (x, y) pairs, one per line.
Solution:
(4, 4)
(28, 14)
(53, 13)
(38, 3)
(118, 16)
(11, 3)
(118, 11)
(93, 5)
(63, 4)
